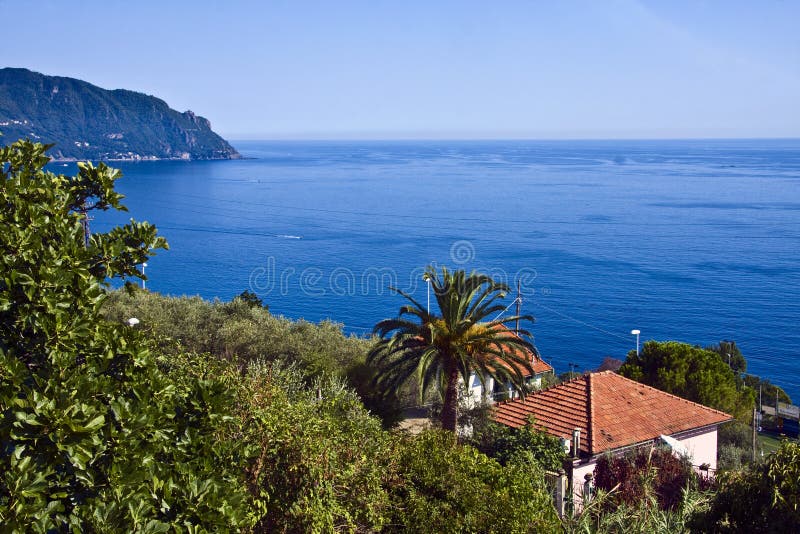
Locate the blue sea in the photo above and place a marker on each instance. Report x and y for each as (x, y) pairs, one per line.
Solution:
(696, 241)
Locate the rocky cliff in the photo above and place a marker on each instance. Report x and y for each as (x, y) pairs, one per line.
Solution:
(89, 123)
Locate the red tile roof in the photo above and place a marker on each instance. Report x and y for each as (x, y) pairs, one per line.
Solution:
(539, 366)
(610, 410)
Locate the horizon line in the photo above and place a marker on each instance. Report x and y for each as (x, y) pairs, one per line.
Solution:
(501, 139)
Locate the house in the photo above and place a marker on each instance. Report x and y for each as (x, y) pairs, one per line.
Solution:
(603, 412)
(495, 391)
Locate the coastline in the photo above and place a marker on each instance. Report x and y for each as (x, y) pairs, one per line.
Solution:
(237, 156)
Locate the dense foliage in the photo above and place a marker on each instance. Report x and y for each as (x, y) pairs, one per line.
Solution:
(320, 462)
(92, 435)
(245, 332)
(221, 417)
(693, 373)
(734, 445)
(446, 487)
(765, 498)
(603, 515)
(633, 475)
(237, 330)
(769, 392)
(528, 444)
(87, 122)
(442, 351)
(190, 421)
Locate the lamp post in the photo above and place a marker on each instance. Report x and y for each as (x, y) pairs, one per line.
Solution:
(636, 333)
(428, 281)
(143, 281)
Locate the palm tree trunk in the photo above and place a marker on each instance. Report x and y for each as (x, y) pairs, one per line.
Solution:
(450, 407)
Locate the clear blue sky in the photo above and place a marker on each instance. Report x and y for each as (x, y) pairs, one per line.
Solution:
(433, 69)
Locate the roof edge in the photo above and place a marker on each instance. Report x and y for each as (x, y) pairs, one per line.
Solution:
(589, 414)
(665, 393)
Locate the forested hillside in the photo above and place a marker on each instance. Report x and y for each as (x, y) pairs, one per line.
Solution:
(89, 123)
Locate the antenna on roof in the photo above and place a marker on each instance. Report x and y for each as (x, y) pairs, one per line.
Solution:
(519, 306)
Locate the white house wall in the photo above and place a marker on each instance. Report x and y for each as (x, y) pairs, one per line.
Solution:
(702, 446)
(476, 392)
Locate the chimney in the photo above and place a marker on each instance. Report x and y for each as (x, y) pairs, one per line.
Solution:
(576, 442)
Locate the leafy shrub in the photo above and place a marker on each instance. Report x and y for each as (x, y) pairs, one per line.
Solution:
(603, 515)
(764, 498)
(320, 462)
(731, 457)
(241, 332)
(93, 436)
(632, 475)
(506, 445)
(238, 330)
(734, 445)
(442, 486)
(735, 433)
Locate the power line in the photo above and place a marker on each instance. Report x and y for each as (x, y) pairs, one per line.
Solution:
(564, 315)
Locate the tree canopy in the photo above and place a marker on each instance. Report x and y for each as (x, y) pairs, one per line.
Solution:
(765, 498)
(93, 436)
(690, 372)
(466, 336)
(731, 355)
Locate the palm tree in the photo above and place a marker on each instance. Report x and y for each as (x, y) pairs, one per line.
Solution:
(438, 350)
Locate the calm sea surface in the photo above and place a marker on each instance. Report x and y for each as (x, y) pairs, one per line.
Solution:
(696, 241)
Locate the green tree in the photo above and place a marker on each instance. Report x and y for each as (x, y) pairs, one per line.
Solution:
(245, 333)
(251, 299)
(690, 372)
(731, 355)
(769, 391)
(442, 486)
(440, 350)
(322, 462)
(764, 498)
(93, 437)
(509, 445)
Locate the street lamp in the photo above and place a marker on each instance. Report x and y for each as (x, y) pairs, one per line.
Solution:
(428, 281)
(636, 333)
(143, 266)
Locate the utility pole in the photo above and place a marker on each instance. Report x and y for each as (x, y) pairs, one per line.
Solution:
(85, 223)
(519, 306)
(755, 434)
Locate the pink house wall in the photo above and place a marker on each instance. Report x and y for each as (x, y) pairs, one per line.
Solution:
(578, 473)
(701, 444)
